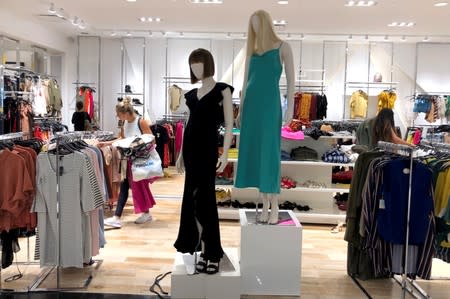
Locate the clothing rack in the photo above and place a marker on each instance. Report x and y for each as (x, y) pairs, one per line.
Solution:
(13, 137)
(60, 138)
(407, 284)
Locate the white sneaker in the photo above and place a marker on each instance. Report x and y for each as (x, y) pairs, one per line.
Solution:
(145, 217)
(112, 221)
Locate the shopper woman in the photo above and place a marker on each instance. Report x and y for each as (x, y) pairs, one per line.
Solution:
(384, 128)
(142, 197)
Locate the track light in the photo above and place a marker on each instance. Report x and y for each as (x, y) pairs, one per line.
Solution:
(426, 39)
(75, 21)
(386, 37)
(302, 36)
(60, 13)
(52, 9)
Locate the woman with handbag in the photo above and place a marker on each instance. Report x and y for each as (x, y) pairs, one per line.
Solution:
(142, 197)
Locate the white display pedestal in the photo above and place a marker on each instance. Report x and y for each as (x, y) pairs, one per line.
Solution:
(270, 255)
(224, 285)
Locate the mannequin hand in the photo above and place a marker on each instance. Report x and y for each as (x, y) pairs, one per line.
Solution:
(237, 121)
(222, 162)
(180, 164)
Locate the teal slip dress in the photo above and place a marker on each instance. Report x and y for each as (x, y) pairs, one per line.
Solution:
(260, 136)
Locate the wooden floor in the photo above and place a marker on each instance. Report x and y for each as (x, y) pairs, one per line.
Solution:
(136, 254)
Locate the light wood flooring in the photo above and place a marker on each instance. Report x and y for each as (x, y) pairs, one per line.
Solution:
(136, 254)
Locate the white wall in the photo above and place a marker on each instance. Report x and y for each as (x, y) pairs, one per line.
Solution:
(169, 57)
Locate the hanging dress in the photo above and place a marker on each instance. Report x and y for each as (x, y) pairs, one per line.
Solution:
(200, 155)
(260, 136)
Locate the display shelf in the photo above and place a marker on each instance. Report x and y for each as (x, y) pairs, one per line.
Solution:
(332, 137)
(311, 163)
(331, 215)
(333, 188)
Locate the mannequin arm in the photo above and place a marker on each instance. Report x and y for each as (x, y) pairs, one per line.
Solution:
(228, 113)
(288, 61)
(244, 87)
(180, 162)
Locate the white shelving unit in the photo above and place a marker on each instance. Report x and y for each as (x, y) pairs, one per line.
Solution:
(319, 199)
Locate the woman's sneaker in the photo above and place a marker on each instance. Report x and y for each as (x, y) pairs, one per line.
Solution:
(113, 222)
(145, 217)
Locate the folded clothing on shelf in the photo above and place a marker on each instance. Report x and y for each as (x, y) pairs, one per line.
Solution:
(303, 153)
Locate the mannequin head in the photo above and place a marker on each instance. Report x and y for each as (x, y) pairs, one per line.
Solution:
(201, 65)
(261, 33)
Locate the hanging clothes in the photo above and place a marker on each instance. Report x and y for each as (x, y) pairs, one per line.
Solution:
(386, 99)
(358, 104)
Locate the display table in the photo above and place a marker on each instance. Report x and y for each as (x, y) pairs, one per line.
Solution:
(224, 285)
(270, 255)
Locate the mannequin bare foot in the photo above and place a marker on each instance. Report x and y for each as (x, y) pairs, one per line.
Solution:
(273, 211)
(265, 211)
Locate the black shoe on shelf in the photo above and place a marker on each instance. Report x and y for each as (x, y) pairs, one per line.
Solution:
(137, 102)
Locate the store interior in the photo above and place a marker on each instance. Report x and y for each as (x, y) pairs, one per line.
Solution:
(112, 49)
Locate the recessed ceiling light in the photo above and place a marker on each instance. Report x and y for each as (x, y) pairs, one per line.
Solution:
(279, 22)
(360, 3)
(440, 4)
(142, 19)
(207, 1)
(158, 19)
(131, 0)
(150, 19)
(401, 24)
(283, 2)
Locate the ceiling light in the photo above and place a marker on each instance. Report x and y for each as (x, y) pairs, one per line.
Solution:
(131, 0)
(52, 9)
(360, 3)
(158, 19)
(440, 4)
(207, 1)
(228, 35)
(181, 34)
(279, 22)
(128, 33)
(302, 36)
(283, 2)
(426, 38)
(402, 24)
(60, 13)
(150, 19)
(366, 37)
(350, 37)
(75, 21)
(386, 37)
(163, 33)
(82, 25)
(113, 33)
(403, 38)
(150, 33)
(142, 19)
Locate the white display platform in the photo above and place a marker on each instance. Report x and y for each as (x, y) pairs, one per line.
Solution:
(270, 255)
(224, 285)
